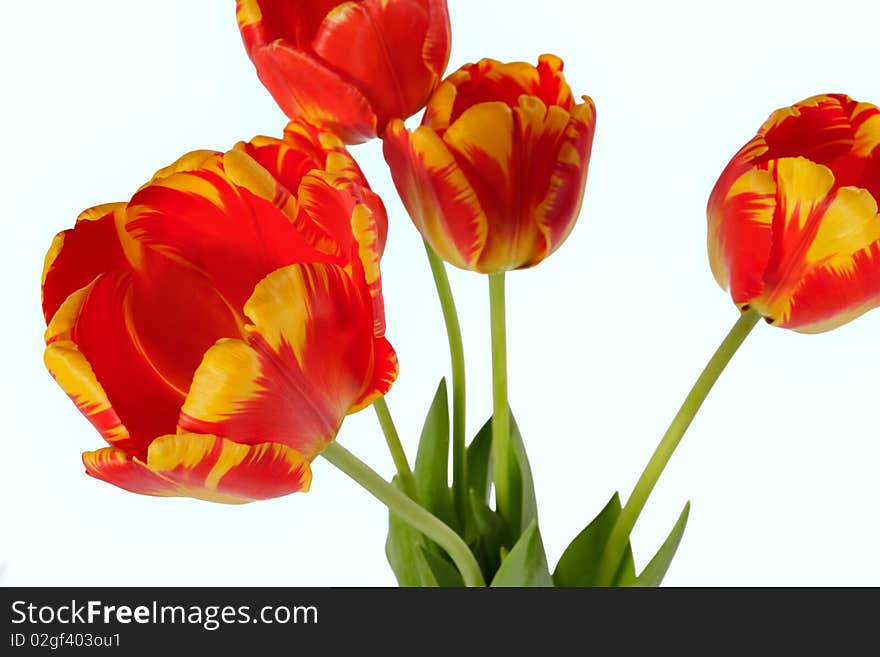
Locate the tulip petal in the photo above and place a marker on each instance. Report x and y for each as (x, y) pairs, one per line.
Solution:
(557, 212)
(300, 370)
(99, 326)
(77, 256)
(117, 467)
(204, 467)
(490, 81)
(436, 193)
(510, 158)
(340, 163)
(367, 236)
(385, 370)
(75, 375)
(866, 122)
(831, 129)
(305, 147)
(141, 337)
(487, 81)
(436, 47)
(379, 47)
(741, 209)
(818, 129)
(264, 21)
(240, 235)
(304, 87)
(822, 271)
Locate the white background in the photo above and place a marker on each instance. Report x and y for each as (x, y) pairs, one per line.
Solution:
(605, 337)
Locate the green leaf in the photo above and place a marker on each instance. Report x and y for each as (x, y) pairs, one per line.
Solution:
(488, 523)
(526, 565)
(404, 549)
(479, 462)
(656, 569)
(443, 571)
(432, 461)
(489, 534)
(579, 563)
(524, 505)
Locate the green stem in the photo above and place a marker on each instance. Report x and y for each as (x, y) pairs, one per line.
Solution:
(393, 439)
(407, 510)
(500, 406)
(619, 536)
(456, 352)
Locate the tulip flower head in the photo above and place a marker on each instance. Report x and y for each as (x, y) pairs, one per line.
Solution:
(793, 226)
(350, 66)
(494, 176)
(217, 328)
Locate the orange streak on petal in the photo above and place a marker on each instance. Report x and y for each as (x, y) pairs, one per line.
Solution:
(75, 376)
(307, 361)
(204, 467)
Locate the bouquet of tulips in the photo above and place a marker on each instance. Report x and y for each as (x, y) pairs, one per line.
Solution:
(218, 327)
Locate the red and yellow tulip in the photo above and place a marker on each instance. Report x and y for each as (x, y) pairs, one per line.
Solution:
(217, 328)
(494, 177)
(793, 226)
(351, 66)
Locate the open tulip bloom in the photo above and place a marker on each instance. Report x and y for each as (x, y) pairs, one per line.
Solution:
(217, 327)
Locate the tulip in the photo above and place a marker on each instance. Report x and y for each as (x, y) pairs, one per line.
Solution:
(351, 66)
(217, 328)
(794, 232)
(494, 176)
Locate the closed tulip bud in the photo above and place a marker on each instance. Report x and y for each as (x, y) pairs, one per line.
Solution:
(494, 176)
(793, 226)
(350, 66)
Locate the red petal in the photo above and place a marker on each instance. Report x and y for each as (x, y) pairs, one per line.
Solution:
(385, 372)
(512, 158)
(304, 87)
(740, 210)
(117, 467)
(144, 334)
(309, 358)
(75, 375)
(204, 467)
(438, 197)
(265, 21)
(557, 212)
(80, 254)
(831, 129)
(378, 46)
(142, 399)
(490, 81)
(230, 234)
(822, 270)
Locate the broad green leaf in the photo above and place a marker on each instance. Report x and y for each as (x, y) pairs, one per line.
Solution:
(490, 534)
(524, 506)
(579, 563)
(523, 502)
(404, 549)
(479, 462)
(488, 522)
(444, 572)
(432, 461)
(655, 571)
(526, 565)
(626, 573)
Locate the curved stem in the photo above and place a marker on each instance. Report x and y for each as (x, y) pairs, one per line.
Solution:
(456, 353)
(500, 406)
(619, 536)
(393, 439)
(409, 511)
